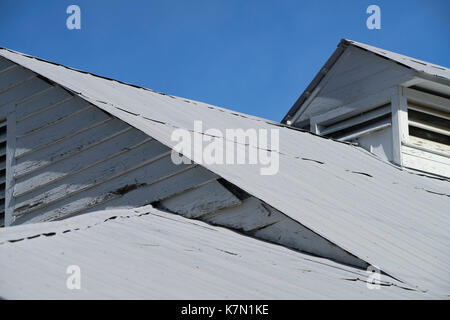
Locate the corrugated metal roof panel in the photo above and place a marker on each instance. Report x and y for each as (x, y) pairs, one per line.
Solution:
(416, 64)
(390, 218)
(145, 253)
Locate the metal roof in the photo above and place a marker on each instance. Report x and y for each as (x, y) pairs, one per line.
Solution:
(149, 254)
(396, 220)
(415, 64)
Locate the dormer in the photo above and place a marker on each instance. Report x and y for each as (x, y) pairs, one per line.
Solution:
(392, 105)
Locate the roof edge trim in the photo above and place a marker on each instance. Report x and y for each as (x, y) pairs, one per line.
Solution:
(341, 47)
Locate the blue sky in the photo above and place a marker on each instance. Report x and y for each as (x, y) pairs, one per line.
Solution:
(253, 56)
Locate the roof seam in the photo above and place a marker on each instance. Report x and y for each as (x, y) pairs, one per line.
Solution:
(230, 112)
(50, 234)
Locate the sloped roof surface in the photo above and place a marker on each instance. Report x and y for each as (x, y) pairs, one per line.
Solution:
(390, 218)
(416, 64)
(146, 253)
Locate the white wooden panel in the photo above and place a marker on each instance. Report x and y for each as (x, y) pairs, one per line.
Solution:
(46, 99)
(72, 165)
(205, 199)
(427, 99)
(92, 176)
(357, 90)
(426, 155)
(62, 130)
(3, 174)
(251, 215)
(181, 179)
(13, 77)
(10, 163)
(369, 115)
(50, 116)
(426, 161)
(22, 91)
(5, 63)
(69, 147)
(143, 177)
(354, 76)
(399, 123)
(428, 145)
(369, 129)
(379, 143)
(352, 59)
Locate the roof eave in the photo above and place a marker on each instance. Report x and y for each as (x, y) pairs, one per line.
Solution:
(341, 47)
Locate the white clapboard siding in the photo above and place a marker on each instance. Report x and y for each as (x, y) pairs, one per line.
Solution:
(90, 116)
(204, 199)
(178, 181)
(75, 144)
(46, 99)
(71, 157)
(3, 130)
(112, 189)
(5, 65)
(49, 116)
(14, 76)
(423, 160)
(23, 90)
(124, 162)
(76, 163)
(252, 215)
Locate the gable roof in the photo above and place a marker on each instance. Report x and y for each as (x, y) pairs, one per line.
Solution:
(422, 67)
(165, 256)
(390, 218)
(416, 64)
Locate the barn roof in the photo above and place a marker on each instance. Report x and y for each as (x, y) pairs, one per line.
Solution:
(387, 217)
(421, 67)
(165, 256)
(416, 64)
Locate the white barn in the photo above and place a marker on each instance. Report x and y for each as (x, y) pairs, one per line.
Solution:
(84, 149)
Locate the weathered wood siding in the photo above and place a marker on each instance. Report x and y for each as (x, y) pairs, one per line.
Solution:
(219, 204)
(3, 135)
(415, 157)
(69, 157)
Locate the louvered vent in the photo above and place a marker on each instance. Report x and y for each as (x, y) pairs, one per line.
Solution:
(2, 170)
(429, 129)
(358, 125)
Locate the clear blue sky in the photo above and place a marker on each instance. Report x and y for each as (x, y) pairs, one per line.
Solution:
(253, 56)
